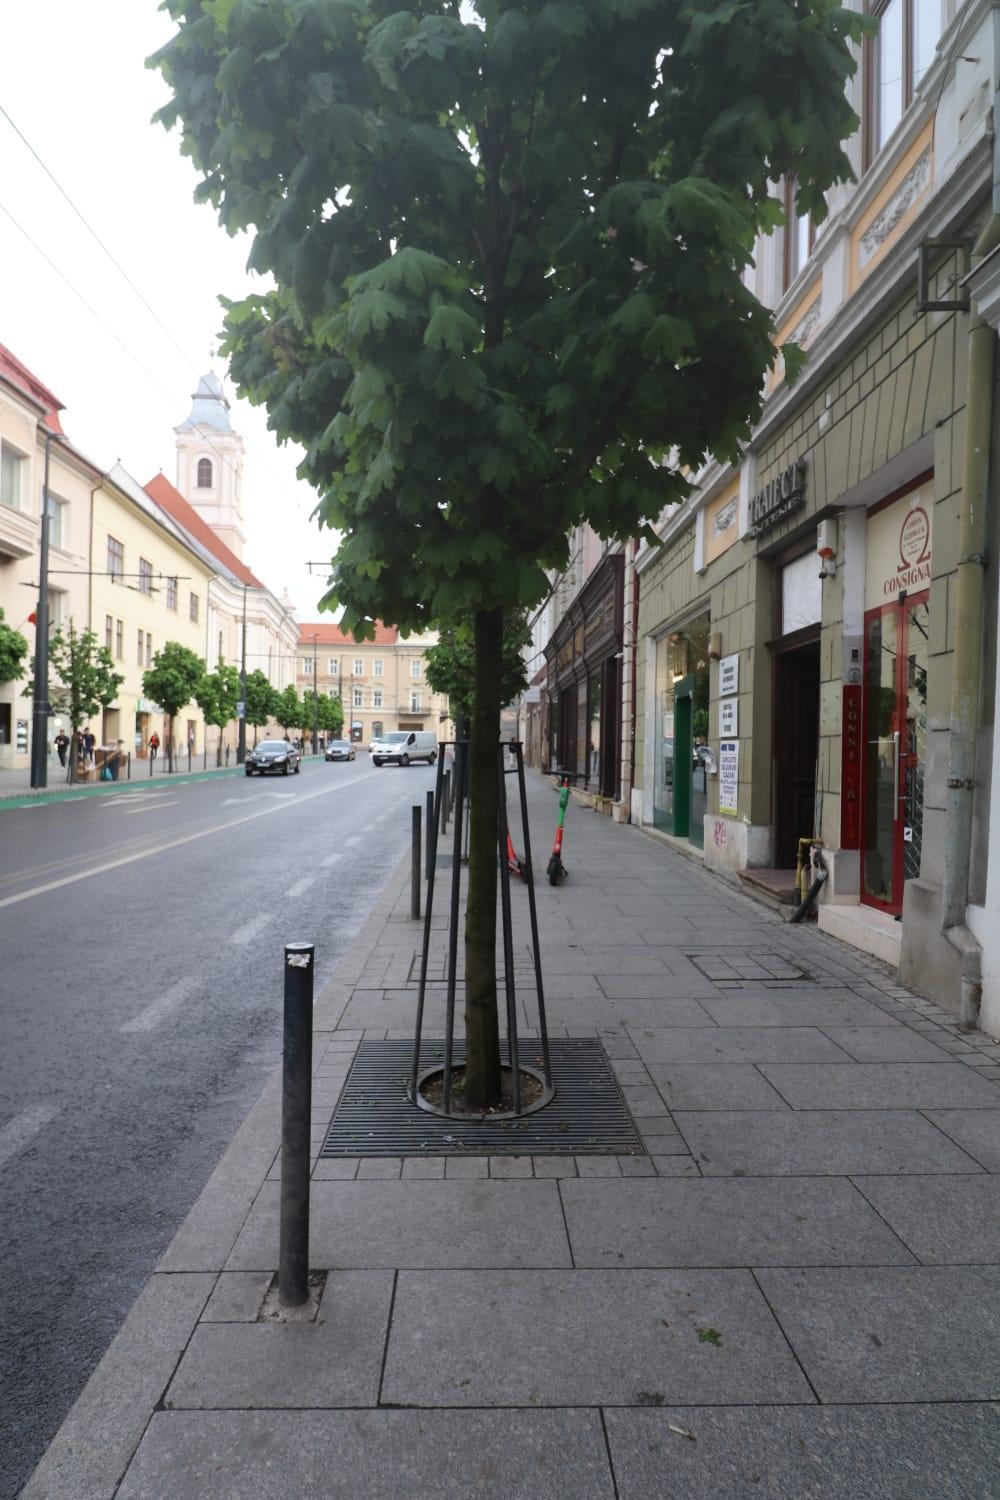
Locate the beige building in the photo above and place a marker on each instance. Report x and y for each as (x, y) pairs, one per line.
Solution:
(382, 683)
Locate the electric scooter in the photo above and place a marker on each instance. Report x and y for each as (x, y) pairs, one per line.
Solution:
(556, 869)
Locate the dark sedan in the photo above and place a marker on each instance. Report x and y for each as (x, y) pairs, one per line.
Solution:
(340, 750)
(273, 755)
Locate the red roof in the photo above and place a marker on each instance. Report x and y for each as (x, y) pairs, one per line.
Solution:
(321, 633)
(12, 370)
(172, 501)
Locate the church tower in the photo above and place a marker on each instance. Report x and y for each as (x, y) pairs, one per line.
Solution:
(210, 463)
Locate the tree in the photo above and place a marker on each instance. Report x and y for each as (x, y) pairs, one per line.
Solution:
(217, 695)
(261, 700)
(451, 664)
(82, 680)
(13, 650)
(172, 682)
(507, 240)
(331, 716)
(288, 709)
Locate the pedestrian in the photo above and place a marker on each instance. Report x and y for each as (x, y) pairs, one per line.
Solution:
(89, 745)
(154, 744)
(62, 745)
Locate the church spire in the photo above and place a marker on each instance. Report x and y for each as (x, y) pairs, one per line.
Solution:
(210, 463)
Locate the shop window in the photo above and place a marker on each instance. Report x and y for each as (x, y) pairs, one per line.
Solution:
(594, 729)
(896, 58)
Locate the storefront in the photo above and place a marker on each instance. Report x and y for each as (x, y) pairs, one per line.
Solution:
(680, 795)
(583, 682)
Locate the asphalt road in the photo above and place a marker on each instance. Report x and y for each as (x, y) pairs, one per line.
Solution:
(140, 1002)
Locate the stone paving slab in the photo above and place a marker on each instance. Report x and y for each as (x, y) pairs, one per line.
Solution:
(900, 1333)
(655, 986)
(834, 1142)
(736, 1044)
(725, 1222)
(879, 1044)
(383, 1455)
(977, 1131)
(237, 1297)
(823, 1008)
(791, 1452)
(403, 1223)
(577, 1011)
(941, 1085)
(334, 1361)
(714, 1086)
(584, 1338)
(944, 1220)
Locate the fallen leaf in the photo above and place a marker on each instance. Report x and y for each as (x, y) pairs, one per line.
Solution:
(709, 1336)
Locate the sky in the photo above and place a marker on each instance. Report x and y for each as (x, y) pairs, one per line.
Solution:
(73, 81)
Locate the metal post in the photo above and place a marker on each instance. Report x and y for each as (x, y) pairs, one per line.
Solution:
(508, 931)
(461, 754)
(296, 1111)
(40, 690)
(446, 800)
(415, 864)
(151, 759)
(241, 727)
(428, 911)
(430, 830)
(130, 765)
(529, 877)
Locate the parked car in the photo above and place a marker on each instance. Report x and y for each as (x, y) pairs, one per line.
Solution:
(273, 755)
(340, 750)
(401, 746)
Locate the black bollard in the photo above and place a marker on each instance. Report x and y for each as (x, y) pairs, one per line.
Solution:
(430, 831)
(446, 801)
(415, 864)
(296, 1112)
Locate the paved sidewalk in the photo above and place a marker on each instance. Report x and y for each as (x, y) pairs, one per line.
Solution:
(792, 1292)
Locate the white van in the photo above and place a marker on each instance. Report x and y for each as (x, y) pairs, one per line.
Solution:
(401, 746)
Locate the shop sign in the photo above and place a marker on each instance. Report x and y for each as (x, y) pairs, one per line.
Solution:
(729, 675)
(898, 548)
(729, 775)
(850, 775)
(728, 718)
(778, 498)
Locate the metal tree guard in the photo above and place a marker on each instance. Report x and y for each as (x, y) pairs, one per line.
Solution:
(419, 1072)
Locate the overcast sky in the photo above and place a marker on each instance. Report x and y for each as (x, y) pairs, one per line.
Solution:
(72, 78)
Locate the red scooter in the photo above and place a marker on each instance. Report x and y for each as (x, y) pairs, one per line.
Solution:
(556, 869)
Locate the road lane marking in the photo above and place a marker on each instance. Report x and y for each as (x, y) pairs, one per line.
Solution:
(354, 838)
(124, 798)
(16, 1134)
(246, 934)
(32, 806)
(151, 806)
(186, 838)
(300, 887)
(331, 860)
(158, 1011)
(241, 800)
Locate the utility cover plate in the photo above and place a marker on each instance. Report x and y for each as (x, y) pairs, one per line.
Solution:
(588, 1116)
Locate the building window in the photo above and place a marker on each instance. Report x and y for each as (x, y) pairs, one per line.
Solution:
(120, 640)
(377, 698)
(109, 631)
(12, 469)
(194, 608)
(377, 730)
(57, 528)
(359, 667)
(377, 667)
(149, 649)
(139, 656)
(116, 558)
(171, 593)
(219, 657)
(359, 698)
(204, 473)
(333, 669)
(414, 702)
(800, 236)
(333, 693)
(56, 597)
(896, 59)
(145, 576)
(308, 663)
(415, 666)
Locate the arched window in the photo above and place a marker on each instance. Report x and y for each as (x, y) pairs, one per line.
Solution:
(204, 473)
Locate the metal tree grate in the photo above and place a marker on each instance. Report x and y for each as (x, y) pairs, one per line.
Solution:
(588, 1116)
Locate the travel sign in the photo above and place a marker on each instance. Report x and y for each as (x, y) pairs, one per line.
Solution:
(778, 498)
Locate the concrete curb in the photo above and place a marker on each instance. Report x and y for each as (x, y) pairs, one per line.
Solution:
(88, 1457)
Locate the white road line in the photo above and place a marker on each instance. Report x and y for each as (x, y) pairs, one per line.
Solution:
(151, 1017)
(246, 934)
(351, 840)
(331, 860)
(185, 838)
(32, 806)
(123, 799)
(300, 887)
(16, 1134)
(151, 807)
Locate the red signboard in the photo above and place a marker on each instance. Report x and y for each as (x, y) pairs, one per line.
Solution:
(850, 776)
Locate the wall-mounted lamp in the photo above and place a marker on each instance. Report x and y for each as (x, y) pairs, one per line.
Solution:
(826, 548)
(714, 645)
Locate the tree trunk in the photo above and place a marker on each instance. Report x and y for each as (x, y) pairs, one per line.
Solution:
(170, 744)
(482, 1038)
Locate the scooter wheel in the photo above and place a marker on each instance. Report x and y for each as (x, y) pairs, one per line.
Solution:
(555, 871)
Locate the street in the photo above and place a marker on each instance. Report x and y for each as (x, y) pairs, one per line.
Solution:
(141, 935)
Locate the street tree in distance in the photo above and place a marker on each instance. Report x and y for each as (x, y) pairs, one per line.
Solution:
(288, 708)
(331, 716)
(260, 700)
(451, 664)
(13, 650)
(172, 682)
(82, 681)
(508, 241)
(217, 695)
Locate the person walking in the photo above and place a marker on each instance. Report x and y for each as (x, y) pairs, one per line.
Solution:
(62, 745)
(89, 745)
(154, 744)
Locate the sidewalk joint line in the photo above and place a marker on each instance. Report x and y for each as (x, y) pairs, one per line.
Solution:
(780, 1327)
(388, 1336)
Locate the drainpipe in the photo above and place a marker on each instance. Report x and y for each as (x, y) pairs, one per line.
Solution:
(969, 623)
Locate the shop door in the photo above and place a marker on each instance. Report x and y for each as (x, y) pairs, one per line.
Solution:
(895, 744)
(683, 752)
(796, 745)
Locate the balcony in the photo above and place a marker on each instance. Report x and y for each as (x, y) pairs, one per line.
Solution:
(18, 532)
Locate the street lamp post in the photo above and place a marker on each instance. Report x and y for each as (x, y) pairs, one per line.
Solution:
(315, 694)
(241, 728)
(40, 695)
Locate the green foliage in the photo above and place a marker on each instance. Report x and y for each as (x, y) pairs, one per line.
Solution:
(13, 650)
(451, 664)
(217, 695)
(288, 708)
(261, 699)
(709, 1336)
(331, 716)
(172, 682)
(507, 242)
(82, 676)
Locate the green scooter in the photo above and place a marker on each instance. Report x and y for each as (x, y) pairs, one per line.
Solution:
(556, 869)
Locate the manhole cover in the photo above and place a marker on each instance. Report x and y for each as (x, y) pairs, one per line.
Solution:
(588, 1115)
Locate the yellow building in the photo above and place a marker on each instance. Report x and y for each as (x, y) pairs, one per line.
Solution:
(382, 683)
(150, 586)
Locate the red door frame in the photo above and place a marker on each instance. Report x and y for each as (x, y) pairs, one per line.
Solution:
(901, 606)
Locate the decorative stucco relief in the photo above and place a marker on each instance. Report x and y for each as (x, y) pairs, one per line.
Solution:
(807, 324)
(913, 185)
